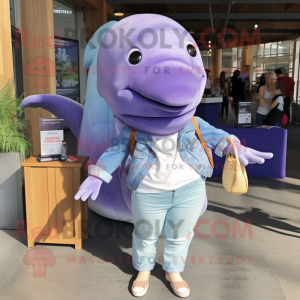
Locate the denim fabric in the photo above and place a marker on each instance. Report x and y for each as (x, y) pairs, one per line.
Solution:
(177, 212)
(144, 154)
(224, 106)
(260, 119)
(277, 123)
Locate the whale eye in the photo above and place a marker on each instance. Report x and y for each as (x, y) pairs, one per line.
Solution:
(191, 49)
(134, 56)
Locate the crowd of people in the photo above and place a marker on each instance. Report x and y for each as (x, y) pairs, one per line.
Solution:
(274, 93)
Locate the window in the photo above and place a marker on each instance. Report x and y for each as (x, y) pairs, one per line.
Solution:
(206, 59)
(64, 20)
(284, 48)
(272, 56)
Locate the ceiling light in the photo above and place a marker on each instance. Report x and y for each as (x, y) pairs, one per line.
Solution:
(209, 46)
(119, 12)
(62, 11)
(256, 26)
(209, 42)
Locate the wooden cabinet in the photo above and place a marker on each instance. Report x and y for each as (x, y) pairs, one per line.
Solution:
(53, 215)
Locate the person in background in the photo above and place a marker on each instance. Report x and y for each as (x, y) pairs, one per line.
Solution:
(266, 94)
(208, 85)
(248, 95)
(229, 86)
(238, 90)
(277, 104)
(230, 91)
(223, 85)
(288, 85)
(262, 81)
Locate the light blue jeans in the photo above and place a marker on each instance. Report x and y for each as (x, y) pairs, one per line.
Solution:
(177, 211)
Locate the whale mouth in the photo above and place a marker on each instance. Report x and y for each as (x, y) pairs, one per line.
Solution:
(158, 104)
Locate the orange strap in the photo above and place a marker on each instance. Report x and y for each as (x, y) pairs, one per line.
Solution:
(202, 142)
(132, 141)
(131, 145)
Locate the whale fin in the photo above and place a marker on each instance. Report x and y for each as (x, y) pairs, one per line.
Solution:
(62, 107)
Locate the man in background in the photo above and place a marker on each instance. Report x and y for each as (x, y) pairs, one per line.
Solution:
(288, 84)
(238, 90)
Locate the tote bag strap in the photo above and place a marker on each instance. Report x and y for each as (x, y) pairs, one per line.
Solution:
(238, 165)
(202, 142)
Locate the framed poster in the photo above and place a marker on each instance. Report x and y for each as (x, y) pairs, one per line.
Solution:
(52, 135)
(67, 67)
(244, 114)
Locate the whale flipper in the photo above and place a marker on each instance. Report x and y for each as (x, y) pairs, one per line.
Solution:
(62, 107)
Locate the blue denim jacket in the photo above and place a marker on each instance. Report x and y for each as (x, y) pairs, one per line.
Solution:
(144, 154)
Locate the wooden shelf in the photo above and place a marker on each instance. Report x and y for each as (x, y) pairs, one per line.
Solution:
(53, 215)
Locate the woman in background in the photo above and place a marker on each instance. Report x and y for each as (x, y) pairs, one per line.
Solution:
(277, 106)
(229, 86)
(208, 85)
(266, 94)
(223, 85)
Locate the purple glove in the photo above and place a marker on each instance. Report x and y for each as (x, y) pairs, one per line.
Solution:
(90, 186)
(248, 155)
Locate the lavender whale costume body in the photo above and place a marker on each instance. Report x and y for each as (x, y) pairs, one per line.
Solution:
(155, 101)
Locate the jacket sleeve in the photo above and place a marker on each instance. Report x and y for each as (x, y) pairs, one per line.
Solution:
(215, 138)
(112, 158)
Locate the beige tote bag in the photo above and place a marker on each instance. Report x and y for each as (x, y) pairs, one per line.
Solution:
(234, 177)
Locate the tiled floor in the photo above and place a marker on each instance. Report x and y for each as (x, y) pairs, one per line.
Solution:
(261, 262)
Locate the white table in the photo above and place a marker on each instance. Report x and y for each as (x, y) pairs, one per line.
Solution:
(209, 100)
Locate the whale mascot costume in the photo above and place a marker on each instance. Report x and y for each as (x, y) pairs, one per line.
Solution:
(148, 74)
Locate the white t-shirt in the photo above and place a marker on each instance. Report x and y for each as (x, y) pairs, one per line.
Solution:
(169, 171)
(279, 99)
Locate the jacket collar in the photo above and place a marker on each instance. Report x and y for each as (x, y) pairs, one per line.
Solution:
(189, 127)
(145, 138)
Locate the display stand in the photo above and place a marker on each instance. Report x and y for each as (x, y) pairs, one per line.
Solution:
(244, 115)
(53, 215)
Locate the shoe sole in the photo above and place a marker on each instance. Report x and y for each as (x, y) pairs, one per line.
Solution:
(141, 293)
(182, 295)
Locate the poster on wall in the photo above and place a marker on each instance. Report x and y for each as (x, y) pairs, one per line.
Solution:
(52, 135)
(67, 68)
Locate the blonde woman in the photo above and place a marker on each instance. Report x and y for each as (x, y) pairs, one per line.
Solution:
(266, 94)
